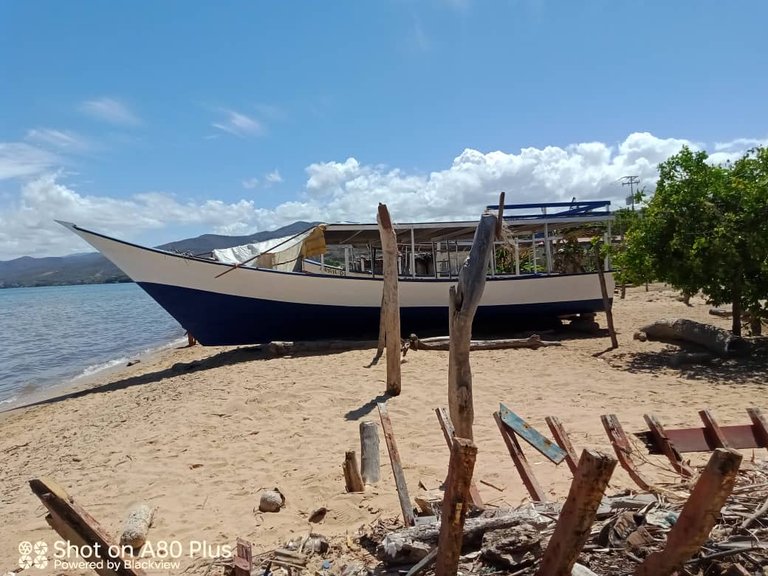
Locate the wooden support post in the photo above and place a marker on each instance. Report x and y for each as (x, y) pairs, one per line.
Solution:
(623, 450)
(712, 429)
(575, 521)
(760, 426)
(659, 436)
(454, 510)
(463, 300)
(243, 561)
(562, 439)
(370, 466)
(606, 300)
(397, 467)
(69, 519)
(391, 302)
(698, 517)
(352, 478)
(449, 433)
(521, 462)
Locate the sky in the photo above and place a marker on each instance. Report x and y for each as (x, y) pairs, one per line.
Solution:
(155, 121)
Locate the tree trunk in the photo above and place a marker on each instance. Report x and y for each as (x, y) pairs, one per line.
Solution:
(712, 338)
(736, 325)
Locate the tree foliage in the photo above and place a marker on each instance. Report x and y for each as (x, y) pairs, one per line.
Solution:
(706, 229)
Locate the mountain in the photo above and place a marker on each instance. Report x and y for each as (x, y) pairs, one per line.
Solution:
(93, 268)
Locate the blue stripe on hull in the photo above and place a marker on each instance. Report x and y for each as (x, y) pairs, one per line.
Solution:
(224, 320)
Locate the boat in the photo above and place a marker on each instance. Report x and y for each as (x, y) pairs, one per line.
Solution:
(326, 282)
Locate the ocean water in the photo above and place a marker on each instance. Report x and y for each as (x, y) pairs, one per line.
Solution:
(52, 335)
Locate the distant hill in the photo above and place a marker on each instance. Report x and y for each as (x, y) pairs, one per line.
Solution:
(93, 268)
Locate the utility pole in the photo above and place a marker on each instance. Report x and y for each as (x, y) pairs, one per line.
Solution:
(631, 181)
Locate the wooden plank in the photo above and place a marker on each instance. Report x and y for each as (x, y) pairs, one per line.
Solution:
(716, 435)
(463, 300)
(454, 510)
(397, 467)
(521, 462)
(528, 433)
(623, 450)
(667, 448)
(390, 309)
(424, 563)
(563, 440)
(449, 433)
(574, 524)
(698, 516)
(760, 426)
(65, 512)
(243, 560)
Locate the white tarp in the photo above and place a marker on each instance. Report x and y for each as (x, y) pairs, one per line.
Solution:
(277, 254)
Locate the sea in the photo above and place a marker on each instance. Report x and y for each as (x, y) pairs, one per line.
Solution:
(52, 337)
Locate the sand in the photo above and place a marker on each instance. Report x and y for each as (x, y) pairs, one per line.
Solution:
(200, 440)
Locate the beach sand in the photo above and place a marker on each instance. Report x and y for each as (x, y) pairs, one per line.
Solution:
(198, 432)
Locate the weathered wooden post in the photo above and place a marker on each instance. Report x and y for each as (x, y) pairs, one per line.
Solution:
(455, 504)
(698, 517)
(606, 299)
(390, 305)
(463, 300)
(352, 478)
(575, 521)
(370, 465)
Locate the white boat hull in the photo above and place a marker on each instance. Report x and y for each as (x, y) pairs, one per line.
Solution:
(247, 305)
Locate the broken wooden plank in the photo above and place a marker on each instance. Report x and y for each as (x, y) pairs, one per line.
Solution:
(528, 433)
(454, 509)
(574, 524)
(607, 304)
(449, 434)
(352, 478)
(623, 450)
(713, 430)
(667, 448)
(521, 462)
(759, 426)
(423, 564)
(66, 513)
(698, 516)
(243, 560)
(397, 467)
(563, 440)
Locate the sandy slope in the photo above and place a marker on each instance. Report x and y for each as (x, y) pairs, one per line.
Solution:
(200, 441)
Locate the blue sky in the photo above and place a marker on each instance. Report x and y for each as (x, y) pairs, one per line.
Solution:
(159, 120)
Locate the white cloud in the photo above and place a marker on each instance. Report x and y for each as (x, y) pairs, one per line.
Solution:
(250, 183)
(110, 110)
(18, 159)
(336, 191)
(239, 124)
(65, 140)
(274, 177)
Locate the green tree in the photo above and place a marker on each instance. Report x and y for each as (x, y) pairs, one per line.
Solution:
(706, 229)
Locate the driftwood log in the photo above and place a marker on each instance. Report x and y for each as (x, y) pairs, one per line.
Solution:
(370, 464)
(352, 478)
(280, 348)
(443, 343)
(409, 545)
(390, 305)
(463, 300)
(137, 525)
(714, 339)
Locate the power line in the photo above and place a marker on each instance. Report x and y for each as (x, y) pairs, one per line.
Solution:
(630, 181)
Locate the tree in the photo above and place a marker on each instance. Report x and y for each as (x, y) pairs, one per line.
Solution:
(706, 229)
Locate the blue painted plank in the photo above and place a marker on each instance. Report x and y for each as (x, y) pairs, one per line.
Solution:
(531, 435)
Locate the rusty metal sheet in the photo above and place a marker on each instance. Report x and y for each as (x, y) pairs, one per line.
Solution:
(697, 440)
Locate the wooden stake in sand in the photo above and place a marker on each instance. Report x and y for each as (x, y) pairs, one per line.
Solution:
(698, 517)
(397, 467)
(574, 524)
(463, 300)
(352, 476)
(390, 305)
(606, 299)
(449, 433)
(370, 465)
(454, 511)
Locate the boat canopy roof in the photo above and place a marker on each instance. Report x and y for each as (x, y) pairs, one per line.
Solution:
(521, 219)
